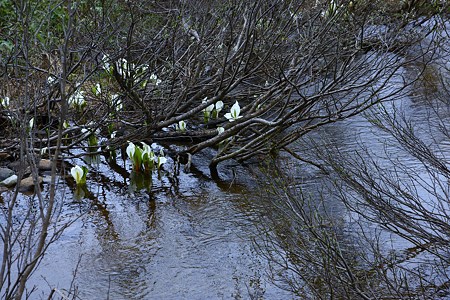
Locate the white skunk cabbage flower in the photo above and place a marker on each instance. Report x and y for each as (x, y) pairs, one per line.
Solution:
(234, 112)
(181, 126)
(130, 150)
(79, 174)
(146, 149)
(161, 160)
(154, 79)
(4, 102)
(97, 89)
(207, 110)
(77, 99)
(219, 106)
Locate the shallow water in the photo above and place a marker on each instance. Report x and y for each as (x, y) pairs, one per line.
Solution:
(189, 238)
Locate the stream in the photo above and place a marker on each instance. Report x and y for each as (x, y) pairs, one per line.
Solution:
(187, 236)
(189, 239)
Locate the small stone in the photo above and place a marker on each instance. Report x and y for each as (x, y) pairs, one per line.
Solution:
(45, 165)
(10, 181)
(5, 173)
(4, 155)
(2, 190)
(27, 184)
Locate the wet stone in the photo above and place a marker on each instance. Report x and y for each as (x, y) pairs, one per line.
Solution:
(10, 181)
(27, 184)
(45, 164)
(5, 173)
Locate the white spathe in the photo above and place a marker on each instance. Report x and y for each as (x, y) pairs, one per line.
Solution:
(97, 89)
(130, 150)
(77, 99)
(77, 173)
(146, 149)
(234, 113)
(161, 160)
(181, 126)
(4, 102)
(31, 123)
(219, 106)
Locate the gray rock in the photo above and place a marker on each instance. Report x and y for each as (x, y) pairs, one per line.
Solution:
(10, 181)
(16, 166)
(5, 173)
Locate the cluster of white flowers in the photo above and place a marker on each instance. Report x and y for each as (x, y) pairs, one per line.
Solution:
(116, 102)
(154, 79)
(331, 10)
(77, 99)
(144, 157)
(181, 126)
(51, 80)
(127, 70)
(105, 62)
(213, 109)
(124, 68)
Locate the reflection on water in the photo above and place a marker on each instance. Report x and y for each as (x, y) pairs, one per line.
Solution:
(187, 238)
(366, 245)
(360, 142)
